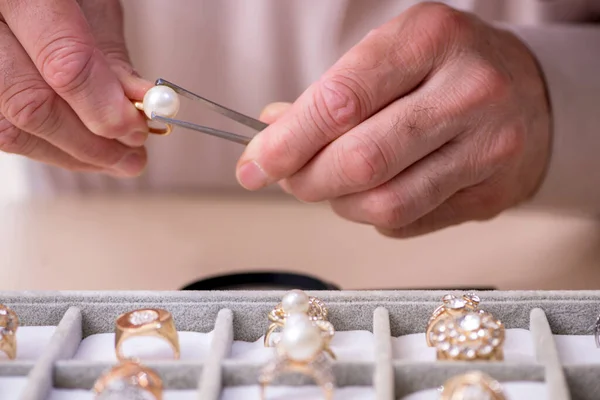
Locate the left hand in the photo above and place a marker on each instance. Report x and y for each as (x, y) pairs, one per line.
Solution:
(434, 119)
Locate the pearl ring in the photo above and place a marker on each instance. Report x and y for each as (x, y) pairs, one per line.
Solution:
(295, 301)
(160, 100)
(302, 349)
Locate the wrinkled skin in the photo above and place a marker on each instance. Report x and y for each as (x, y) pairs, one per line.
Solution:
(67, 84)
(434, 119)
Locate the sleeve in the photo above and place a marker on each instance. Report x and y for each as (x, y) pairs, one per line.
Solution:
(569, 57)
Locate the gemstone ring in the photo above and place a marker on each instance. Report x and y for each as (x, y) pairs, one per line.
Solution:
(302, 349)
(295, 301)
(472, 385)
(451, 305)
(129, 380)
(146, 322)
(473, 335)
(9, 323)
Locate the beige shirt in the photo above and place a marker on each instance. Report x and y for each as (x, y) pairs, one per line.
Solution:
(247, 53)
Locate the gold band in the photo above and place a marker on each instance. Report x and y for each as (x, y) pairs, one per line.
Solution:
(146, 322)
(153, 130)
(132, 374)
(474, 383)
(9, 323)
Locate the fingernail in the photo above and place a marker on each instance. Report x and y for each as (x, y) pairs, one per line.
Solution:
(251, 176)
(132, 164)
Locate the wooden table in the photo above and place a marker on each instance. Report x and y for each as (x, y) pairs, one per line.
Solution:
(158, 243)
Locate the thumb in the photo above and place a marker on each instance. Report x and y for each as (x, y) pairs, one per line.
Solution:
(105, 18)
(273, 112)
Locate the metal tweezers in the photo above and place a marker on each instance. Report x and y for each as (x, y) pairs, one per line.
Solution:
(233, 115)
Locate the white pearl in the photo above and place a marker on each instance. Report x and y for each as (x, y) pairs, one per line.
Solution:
(301, 340)
(295, 301)
(161, 100)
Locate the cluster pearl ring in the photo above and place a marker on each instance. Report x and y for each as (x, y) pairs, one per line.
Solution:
(161, 103)
(295, 301)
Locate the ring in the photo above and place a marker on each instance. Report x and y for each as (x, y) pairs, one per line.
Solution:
(9, 323)
(473, 335)
(597, 332)
(146, 322)
(295, 301)
(129, 380)
(472, 385)
(302, 349)
(159, 100)
(453, 305)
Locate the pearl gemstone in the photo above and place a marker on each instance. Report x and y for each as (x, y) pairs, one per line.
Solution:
(300, 340)
(295, 301)
(161, 100)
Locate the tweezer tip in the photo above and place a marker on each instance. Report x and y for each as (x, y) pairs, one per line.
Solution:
(159, 81)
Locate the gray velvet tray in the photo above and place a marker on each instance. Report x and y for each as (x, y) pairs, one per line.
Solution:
(242, 316)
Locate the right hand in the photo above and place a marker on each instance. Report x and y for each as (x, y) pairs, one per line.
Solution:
(66, 86)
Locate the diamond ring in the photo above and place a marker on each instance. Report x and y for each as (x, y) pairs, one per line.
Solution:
(302, 349)
(295, 301)
(129, 380)
(9, 323)
(472, 335)
(146, 322)
(451, 305)
(472, 385)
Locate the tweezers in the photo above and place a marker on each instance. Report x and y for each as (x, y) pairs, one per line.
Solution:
(231, 114)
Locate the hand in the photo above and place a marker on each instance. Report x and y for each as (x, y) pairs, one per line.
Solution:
(66, 86)
(433, 119)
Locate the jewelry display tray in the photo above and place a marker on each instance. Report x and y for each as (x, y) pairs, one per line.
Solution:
(242, 316)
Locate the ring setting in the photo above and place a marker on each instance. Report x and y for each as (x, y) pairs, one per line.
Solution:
(146, 322)
(9, 323)
(473, 335)
(129, 380)
(160, 100)
(472, 385)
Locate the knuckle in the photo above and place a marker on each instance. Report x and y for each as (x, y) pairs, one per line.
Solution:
(340, 103)
(100, 152)
(442, 21)
(508, 143)
(13, 140)
(65, 63)
(30, 105)
(488, 83)
(385, 209)
(361, 162)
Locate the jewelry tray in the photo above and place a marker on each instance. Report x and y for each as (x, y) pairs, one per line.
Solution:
(242, 316)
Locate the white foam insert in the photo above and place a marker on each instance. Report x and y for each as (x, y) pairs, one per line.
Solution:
(518, 347)
(296, 393)
(346, 345)
(11, 387)
(512, 391)
(101, 347)
(31, 342)
(577, 349)
(69, 394)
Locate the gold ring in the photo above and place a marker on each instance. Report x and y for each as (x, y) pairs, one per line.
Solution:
(475, 384)
(302, 349)
(146, 322)
(295, 301)
(473, 335)
(129, 380)
(153, 130)
(451, 305)
(9, 323)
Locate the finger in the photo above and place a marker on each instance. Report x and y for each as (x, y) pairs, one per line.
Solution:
(412, 194)
(111, 41)
(58, 39)
(31, 105)
(274, 111)
(362, 82)
(462, 207)
(378, 149)
(15, 141)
